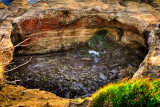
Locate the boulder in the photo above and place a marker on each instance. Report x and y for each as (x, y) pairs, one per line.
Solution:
(126, 73)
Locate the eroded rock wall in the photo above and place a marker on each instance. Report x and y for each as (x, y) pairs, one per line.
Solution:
(2, 5)
(61, 25)
(6, 46)
(69, 26)
(150, 66)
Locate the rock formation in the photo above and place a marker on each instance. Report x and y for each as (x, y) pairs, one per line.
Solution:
(6, 46)
(55, 25)
(19, 3)
(64, 4)
(18, 7)
(150, 66)
(76, 26)
(2, 5)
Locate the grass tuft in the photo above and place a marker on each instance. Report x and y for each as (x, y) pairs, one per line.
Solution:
(132, 93)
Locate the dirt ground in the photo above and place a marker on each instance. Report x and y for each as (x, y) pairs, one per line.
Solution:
(18, 96)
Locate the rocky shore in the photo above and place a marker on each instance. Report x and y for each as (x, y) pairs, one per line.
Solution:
(76, 47)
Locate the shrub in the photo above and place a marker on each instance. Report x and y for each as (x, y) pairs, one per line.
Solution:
(132, 93)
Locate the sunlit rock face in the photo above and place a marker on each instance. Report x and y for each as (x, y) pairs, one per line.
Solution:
(68, 4)
(60, 25)
(18, 7)
(55, 25)
(150, 66)
(6, 46)
(2, 5)
(44, 24)
(19, 3)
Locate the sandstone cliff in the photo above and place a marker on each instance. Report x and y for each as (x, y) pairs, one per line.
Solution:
(57, 25)
(2, 5)
(60, 25)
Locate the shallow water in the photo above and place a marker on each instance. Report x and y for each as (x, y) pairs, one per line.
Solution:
(76, 72)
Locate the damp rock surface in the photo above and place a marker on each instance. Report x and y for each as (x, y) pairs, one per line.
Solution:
(77, 72)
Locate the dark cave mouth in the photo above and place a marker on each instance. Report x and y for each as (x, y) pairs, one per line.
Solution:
(78, 72)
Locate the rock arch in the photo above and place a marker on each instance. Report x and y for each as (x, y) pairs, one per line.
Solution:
(64, 30)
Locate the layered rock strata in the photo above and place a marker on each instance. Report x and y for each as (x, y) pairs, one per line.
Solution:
(69, 24)
(6, 46)
(69, 27)
(2, 5)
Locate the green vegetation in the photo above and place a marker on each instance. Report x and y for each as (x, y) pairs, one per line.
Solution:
(98, 41)
(139, 93)
(45, 79)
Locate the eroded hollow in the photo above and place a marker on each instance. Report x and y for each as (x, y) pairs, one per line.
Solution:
(80, 71)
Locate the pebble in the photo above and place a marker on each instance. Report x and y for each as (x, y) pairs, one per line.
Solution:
(115, 71)
(102, 76)
(114, 76)
(86, 59)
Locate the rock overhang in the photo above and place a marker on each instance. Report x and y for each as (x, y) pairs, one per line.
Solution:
(67, 17)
